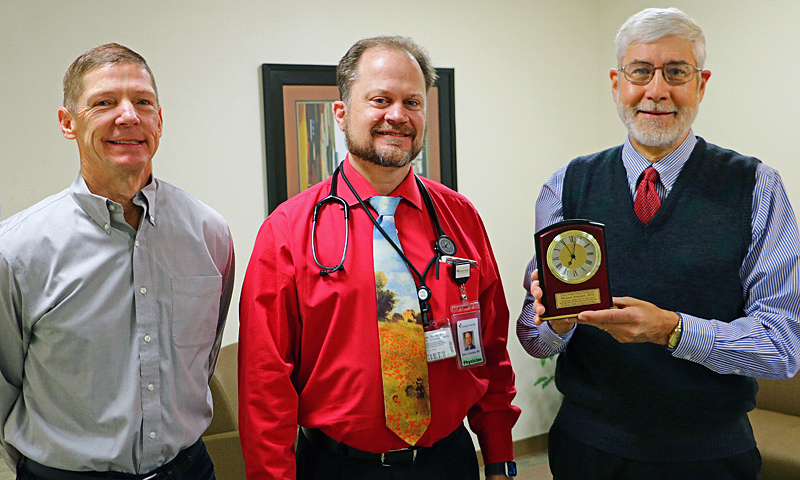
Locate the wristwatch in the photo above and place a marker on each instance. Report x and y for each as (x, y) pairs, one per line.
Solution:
(675, 336)
(509, 469)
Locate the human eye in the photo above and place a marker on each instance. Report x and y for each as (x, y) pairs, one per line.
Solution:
(639, 72)
(415, 104)
(643, 69)
(678, 71)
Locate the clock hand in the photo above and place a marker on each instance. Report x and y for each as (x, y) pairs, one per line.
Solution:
(571, 252)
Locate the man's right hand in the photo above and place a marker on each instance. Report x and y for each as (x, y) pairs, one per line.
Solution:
(561, 327)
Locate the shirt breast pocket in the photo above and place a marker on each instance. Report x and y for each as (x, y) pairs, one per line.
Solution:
(195, 310)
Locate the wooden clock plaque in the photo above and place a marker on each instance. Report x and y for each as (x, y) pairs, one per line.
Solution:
(571, 257)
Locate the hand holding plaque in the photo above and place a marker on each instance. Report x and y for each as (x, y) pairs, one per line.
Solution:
(571, 258)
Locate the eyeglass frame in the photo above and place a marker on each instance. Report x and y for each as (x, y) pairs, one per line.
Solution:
(694, 72)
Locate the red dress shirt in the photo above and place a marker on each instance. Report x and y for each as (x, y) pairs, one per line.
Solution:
(309, 348)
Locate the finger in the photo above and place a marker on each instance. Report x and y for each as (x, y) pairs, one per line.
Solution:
(536, 291)
(622, 302)
(594, 316)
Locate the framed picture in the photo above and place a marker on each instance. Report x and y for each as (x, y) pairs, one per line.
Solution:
(304, 144)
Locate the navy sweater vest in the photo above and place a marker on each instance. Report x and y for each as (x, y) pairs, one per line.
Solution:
(637, 400)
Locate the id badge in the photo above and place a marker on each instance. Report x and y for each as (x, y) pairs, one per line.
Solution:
(466, 328)
(439, 341)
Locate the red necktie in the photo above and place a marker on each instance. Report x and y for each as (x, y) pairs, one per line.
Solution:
(647, 201)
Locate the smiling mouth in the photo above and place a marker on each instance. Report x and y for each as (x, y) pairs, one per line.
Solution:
(394, 134)
(657, 110)
(126, 142)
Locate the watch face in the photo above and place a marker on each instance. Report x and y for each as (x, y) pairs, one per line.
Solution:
(511, 469)
(573, 256)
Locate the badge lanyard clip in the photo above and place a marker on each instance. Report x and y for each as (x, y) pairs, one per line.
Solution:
(460, 271)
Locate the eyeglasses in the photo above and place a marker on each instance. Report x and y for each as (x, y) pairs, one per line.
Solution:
(674, 73)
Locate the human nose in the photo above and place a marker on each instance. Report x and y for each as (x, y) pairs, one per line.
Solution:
(127, 114)
(658, 88)
(396, 113)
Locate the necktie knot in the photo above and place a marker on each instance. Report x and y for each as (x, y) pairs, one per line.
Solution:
(385, 206)
(650, 175)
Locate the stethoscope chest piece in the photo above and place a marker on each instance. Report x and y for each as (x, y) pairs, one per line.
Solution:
(445, 246)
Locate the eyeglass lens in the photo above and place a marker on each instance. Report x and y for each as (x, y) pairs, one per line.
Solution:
(642, 72)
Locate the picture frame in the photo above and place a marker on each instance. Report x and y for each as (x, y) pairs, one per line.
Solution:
(296, 101)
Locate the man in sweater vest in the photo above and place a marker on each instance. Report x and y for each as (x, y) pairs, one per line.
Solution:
(702, 254)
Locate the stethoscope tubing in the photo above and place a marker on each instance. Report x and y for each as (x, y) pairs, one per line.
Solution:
(396, 247)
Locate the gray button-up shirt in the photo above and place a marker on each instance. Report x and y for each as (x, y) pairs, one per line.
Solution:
(109, 335)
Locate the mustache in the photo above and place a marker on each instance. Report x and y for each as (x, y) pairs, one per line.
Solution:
(404, 130)
(656, 107)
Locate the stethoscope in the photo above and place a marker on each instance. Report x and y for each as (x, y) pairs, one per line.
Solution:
(443, 246)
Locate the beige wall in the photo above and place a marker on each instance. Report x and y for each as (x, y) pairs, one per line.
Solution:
(532, 91)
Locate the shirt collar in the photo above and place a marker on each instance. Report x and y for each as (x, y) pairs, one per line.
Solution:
(98, 208)
(668, 168)
(407, 189)
(146, 198)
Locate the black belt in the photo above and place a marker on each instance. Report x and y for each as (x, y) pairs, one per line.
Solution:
(179, 464)
(405, 456)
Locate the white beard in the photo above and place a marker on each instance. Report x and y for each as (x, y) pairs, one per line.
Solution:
(653, 132)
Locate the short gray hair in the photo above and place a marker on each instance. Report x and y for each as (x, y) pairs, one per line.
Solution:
(347, 70)
(653, 24)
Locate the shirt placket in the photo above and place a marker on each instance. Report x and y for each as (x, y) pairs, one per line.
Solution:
(148, 334)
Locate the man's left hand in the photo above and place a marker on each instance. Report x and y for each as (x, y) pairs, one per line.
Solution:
(633, 321)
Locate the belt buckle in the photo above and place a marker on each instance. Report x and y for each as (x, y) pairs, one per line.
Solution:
(413, 452)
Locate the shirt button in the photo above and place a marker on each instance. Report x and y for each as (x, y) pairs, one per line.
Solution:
(136, 243)
(737, 371)
(151, 387)
(106, 227)
(147, 338)
(688, 357)
(112, 207)
(142, 290)
(152, 434)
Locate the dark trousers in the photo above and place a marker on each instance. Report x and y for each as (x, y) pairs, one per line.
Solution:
(452, 458)
(573, 460)
(196, 467)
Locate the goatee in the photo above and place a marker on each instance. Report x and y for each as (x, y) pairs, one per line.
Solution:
(391, 156)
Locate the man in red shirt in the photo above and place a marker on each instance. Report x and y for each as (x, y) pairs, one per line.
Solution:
(310, 353)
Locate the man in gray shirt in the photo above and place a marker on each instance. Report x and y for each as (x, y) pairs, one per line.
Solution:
(113, 298)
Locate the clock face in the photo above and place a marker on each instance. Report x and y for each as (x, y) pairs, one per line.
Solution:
(573, 256)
